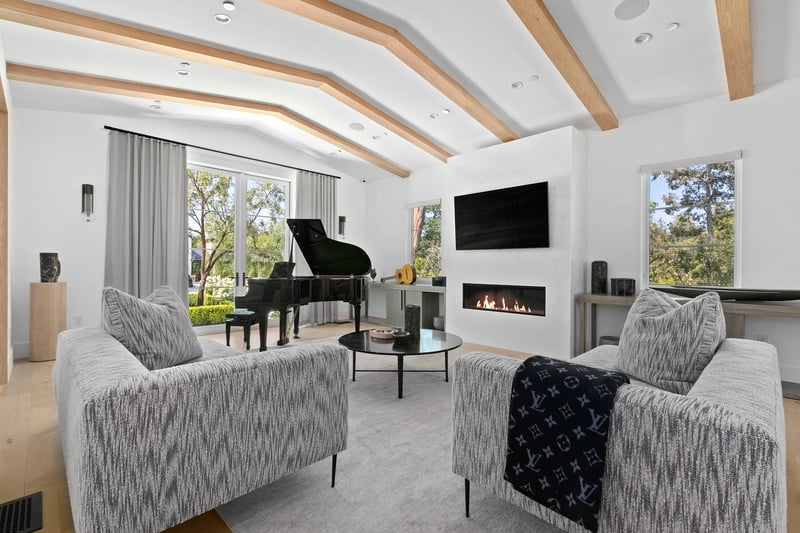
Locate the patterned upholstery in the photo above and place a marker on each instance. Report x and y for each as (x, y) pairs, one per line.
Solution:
(145, 450)
(668, 344)
(156, 329)
(713, 460)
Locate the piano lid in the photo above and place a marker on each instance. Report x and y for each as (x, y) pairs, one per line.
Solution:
(325, 256)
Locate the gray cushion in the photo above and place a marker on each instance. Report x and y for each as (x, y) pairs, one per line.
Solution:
(155, 329)
(667, 344)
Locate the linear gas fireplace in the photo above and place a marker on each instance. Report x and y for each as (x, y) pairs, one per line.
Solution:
(519, 299)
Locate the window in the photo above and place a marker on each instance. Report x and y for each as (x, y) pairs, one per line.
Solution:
(426, 239)
(237, 229)
(692, 209)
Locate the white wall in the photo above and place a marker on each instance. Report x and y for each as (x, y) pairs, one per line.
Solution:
(9, 106)
(55, 153)
(764, 127)
(546, 157)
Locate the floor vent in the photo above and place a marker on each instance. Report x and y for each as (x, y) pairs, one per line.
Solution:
(22, 515)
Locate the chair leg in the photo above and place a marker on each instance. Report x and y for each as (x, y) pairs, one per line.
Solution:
(466, 496)
(227, 334)
(333, 472)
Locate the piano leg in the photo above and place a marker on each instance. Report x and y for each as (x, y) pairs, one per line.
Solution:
(262, 333)
(297, 322)
(357, 314)
(282, 327)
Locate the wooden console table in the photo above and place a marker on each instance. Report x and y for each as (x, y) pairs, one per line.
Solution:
(735, 312)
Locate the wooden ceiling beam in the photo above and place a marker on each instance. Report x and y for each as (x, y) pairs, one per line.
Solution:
(139, 90)
(102, 30)
(537, 18)
(358, 25)
(733, 18)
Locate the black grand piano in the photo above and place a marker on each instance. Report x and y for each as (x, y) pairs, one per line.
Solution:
(339, 275)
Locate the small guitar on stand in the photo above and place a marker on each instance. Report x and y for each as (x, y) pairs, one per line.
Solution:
(406, 275)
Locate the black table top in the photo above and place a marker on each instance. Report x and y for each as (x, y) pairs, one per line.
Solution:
(430, 341)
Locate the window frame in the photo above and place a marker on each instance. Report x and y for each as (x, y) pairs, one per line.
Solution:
(644, 180)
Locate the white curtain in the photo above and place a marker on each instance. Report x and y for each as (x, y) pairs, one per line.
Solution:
(146, 244)
(316, 198)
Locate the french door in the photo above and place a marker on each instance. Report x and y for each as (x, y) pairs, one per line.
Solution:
(237, 230)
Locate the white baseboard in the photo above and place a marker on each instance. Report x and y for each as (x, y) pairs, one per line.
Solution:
(21, 350)
(790, 373)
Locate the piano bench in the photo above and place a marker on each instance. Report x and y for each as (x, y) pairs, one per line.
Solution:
(246, 319)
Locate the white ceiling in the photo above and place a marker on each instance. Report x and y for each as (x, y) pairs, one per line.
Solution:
(482, 44)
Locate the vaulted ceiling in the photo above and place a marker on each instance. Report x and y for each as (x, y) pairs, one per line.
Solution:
(392, 86)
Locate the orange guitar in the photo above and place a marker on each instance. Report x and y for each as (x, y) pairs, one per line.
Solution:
(406, 275)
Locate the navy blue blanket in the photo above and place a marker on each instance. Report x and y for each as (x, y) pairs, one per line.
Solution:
(558, 425)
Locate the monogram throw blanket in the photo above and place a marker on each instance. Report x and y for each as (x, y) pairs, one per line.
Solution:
(558, 424)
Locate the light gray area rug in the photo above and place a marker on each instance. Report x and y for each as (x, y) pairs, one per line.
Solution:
(395, 474)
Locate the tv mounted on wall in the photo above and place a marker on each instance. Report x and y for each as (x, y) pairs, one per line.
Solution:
(515, 217)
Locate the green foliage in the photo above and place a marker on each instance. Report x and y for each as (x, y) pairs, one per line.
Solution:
(692, 233)
(211, 208)
(427, 253)
(205, 315)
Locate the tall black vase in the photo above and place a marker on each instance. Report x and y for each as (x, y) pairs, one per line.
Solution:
(599, 277)
(49, 267)
(412, 321)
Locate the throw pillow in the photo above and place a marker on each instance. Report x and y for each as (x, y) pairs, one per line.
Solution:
(667, 344)
(155, 329)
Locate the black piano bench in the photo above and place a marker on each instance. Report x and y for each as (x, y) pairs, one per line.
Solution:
(246, 319)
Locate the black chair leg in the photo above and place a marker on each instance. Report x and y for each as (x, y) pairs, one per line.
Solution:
(333, 472)
(466, 495)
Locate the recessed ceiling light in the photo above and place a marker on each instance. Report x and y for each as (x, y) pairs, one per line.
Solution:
(333, 154)
(156, 104)
(185, 65)
(356, 126)
(376, 137)
(643, 38)
(434, 115)
(182, 72)
(630, 9)
(222, 18)
(445, 111)
(385, 133)
(672, 26)
(228, 5)
(534, 78)
(517, 85)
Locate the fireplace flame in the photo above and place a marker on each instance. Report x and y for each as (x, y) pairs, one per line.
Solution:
(486, 303)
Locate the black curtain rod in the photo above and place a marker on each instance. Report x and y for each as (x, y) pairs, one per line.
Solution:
(112, 128)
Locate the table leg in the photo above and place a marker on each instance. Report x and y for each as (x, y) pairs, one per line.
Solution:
(357, 315)
(354, 365)
(593, 315)
(445, 367)
(399, 376)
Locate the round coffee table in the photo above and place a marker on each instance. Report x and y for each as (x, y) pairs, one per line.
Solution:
(430, 341)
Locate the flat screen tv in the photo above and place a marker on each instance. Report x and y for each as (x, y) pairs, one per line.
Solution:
(515, 217)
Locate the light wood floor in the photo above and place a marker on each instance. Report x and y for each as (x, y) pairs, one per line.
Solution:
(30, 454)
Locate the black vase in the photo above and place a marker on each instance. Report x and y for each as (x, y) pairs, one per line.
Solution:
(49, 267)
(412, 321)
(599, 277)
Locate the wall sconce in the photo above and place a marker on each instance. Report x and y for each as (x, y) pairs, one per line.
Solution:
(87, 201)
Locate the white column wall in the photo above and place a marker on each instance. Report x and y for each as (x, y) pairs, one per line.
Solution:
(546, 157)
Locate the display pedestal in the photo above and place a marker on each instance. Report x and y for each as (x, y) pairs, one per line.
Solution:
(48, 318)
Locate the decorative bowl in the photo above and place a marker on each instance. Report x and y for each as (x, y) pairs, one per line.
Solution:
(382, 333)
(401, 336)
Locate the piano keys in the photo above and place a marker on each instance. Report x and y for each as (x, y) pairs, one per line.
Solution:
(339, 274)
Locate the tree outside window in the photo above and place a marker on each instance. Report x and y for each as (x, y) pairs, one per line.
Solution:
(692, 212)
(426, 239)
